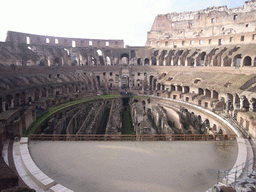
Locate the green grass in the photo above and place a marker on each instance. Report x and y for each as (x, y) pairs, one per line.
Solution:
(54, 109)
(127, 127)
(140, 97)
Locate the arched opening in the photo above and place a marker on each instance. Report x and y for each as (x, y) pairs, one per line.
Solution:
(186, 89)
(237, 101)
(139, 61)
(173, 88)
(154, 60)
(125, 59)
(100, 57)
(151, 81)
(200, 91)
(158, 86)
(98, 80)
(93, 61)
(179, 88)
(201, 59)
(57, 61)
(247, 61)
(237, 60)
(8, 103)
(214, 127)
(207, 123)
(215, 94)
(207, 93)
(125, 82)
(227, 61)
(246, 104)
(146, 62)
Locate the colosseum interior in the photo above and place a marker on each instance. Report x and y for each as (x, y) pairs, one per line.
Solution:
(203, 58)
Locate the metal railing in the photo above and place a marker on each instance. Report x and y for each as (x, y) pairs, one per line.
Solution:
(232, 176)
(170, 137)
(238, 125)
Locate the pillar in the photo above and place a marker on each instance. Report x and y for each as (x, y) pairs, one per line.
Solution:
(241, 102)
(3, 106)
(164, 62)
(12, 103)
(251, 105)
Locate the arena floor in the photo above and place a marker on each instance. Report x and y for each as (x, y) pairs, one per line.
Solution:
(179, 166)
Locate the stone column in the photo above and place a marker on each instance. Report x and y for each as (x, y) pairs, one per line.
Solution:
(241, 102)
(186, 62)
(251, 105)
(3, 106)
(12, 103)
(164, 62)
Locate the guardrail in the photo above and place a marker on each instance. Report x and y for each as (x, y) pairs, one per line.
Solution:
(170, 137)
(231, 176)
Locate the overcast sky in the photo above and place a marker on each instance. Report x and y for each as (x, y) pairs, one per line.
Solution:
(96, 19)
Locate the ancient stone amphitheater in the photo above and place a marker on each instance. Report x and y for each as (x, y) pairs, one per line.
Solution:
(195, 76)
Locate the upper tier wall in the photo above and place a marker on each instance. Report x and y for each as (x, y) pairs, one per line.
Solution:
(61, 41)
(204, 26)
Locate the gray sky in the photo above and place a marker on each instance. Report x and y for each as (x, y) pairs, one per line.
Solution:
(95, 19)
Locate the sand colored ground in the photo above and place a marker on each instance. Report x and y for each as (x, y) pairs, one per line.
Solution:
(134, 166)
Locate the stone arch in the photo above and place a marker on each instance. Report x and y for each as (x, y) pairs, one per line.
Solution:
(207, 93)
(158, 86)
(215, 94)
(246, 104)
(146, 61)
(237, 101)
(207, 123)
(237, 60)
(124, 59)
(154, 60)
(227, 61)
(201, 59)
(186, 89)
(214, 127)
(200, 91)
(100, 55)
(57, 61)
(247, 61)
(179, 88)
(173, 88)
(151, 81)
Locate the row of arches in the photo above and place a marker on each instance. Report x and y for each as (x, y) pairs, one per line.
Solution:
(32, 95)
(215, 57)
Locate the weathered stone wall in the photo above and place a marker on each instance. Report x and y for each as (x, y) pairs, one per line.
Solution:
(27, 38)
(211, 26)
